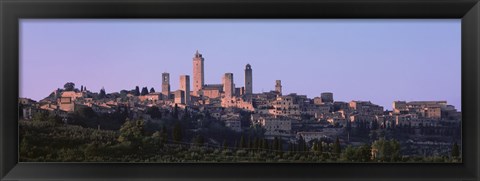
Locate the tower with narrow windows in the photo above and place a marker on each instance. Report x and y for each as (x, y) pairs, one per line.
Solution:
(198, 73)
(166, 84)
(278, 86)
(185, 87)
(248, 79)
(228, 85)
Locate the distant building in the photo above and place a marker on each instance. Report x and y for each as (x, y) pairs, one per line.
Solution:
(151, 97)
(237, 102)
(317, 100)
(366, 107)
(212, 90)
(166, 85)
(72, 94)
(248, 79)
(198, 74)
(239, 91)
(326, 97)
(179, 97)
(26, 101)
(185, 87)
(337, 121)
(285, 106)
(278, 86)
(426, 109)
(228, 85)
(276, 126)
(66, 104)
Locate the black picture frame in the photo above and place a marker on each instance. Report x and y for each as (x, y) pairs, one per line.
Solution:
(13, 10)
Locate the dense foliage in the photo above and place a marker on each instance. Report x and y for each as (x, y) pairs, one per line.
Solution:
(46, 138)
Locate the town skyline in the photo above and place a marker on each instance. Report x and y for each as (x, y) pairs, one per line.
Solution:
(447, 72)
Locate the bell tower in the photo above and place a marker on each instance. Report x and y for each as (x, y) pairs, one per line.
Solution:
(198, 73)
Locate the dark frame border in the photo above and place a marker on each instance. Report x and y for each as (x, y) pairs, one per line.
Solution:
(12, 10)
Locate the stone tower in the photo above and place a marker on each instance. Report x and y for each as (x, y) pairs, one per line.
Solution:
(228, 85)
(185, 87)
(248, 79)
(326, 97)
(166, 84)
(198, 73)
(278, 86)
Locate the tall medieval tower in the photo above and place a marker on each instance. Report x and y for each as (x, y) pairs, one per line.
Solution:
(185, 87)
(166, 84)
(248, 79)
(198, 73)
(228, 85)
(278, 86)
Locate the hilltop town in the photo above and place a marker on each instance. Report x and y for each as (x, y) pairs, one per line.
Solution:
(421, 127)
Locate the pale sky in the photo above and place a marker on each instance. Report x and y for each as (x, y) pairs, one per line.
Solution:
(370, 60)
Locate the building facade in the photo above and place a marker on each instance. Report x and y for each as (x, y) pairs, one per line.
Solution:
(278, 86)
(185, 87)
(166, 84)
(248, 79)
(198, 73)
(228, 85)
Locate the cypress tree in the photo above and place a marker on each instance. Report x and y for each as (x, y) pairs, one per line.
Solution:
(144, 91)
(265, 144)
(336, 147)
(320, 147)
(275, 143)
(280, 144)
(102, 93)
(137, 91)
(256, 144)
(455, 150)
(175, 112)
(225, 146)
(177, 132)
(242, 142)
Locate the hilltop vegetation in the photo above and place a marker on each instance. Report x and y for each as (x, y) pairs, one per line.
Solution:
(47, 139)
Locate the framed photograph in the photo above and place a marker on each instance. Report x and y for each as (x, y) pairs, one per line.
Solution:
(239, 90)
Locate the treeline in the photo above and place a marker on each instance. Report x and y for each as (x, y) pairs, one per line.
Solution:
(46, 139)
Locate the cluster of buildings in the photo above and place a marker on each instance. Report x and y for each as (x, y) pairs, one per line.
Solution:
(288, 116)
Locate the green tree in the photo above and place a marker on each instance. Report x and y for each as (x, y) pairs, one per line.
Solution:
(137, 91)
(102, 93)
(280, 144)
(337, 147)
(144, 91)
(177, 134)
(386, 150)
(85, 116)
(302, 145)
(275, 143)
(256, 143)
(350, 154)
(364, 153)
(225, 146)
(199, 141)
(242, 142)
(164, 134)
(175, 112)
(69, 86)
(152, 90)
(265, 144)
(132, 131)
(157, 138)
(320, 147)
(455, 150)
(154, 112)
